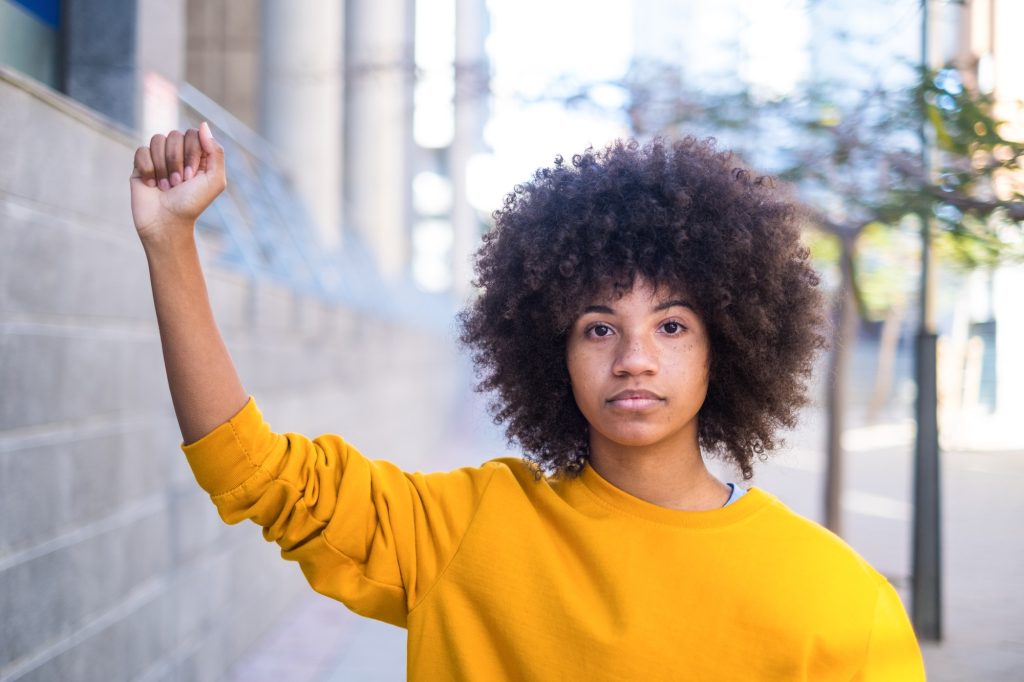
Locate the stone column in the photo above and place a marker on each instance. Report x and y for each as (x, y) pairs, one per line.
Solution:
(472, 75)
(110, 46)
(378, 128)
(301, 102)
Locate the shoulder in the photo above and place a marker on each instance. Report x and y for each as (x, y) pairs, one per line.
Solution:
(496, 473)
(793, 561)
(852, 609)
(511, 469)
(514, 479)
(789, 541)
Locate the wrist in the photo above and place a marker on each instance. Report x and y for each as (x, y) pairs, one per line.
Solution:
(175, 238)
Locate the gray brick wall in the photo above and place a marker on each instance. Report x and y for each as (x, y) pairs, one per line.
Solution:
(113, 564)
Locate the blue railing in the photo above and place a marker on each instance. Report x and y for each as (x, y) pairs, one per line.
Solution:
(261, 227)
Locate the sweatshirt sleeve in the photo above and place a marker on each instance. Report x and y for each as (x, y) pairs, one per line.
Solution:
(893, 652)
(363, 532)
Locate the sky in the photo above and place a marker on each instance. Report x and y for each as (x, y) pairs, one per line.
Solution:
(533, 43)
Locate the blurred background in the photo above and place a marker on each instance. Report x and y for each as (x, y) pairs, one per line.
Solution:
(367, 143)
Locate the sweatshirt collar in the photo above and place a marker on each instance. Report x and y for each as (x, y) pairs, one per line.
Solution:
(746, 506)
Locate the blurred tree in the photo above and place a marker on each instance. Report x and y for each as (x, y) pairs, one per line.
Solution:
(855, 159)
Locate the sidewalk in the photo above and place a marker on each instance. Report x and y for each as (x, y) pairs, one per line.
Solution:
(321, 641)
(984, 569)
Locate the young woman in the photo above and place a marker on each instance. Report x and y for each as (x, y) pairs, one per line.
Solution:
(641, 307)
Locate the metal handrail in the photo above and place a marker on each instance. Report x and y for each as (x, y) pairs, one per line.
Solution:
(267, 232)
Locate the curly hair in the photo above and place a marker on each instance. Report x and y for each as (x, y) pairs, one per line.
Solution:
(681, 215)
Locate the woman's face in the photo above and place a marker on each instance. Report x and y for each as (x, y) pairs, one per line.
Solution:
(639, 368)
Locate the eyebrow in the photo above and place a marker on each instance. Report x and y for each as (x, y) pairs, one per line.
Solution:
(665, 305)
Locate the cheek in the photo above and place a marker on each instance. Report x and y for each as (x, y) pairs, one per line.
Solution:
(577, 381)
(580, 378)
(574, 363)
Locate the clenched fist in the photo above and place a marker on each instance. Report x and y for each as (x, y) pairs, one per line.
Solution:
(175, 178)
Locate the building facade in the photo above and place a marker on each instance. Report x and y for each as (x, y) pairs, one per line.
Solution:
(113, 563)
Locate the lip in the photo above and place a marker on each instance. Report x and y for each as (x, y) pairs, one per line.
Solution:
(639, 394)
(635, 400)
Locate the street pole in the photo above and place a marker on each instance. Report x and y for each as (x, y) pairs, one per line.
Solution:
(926, 598)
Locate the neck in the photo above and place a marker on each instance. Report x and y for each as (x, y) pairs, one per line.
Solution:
(668, 476)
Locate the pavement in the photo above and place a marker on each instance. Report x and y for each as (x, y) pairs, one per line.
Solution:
(983, 559)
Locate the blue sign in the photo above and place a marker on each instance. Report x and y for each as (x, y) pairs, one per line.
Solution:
(47, 11)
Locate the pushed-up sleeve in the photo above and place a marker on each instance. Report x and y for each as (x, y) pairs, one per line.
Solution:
(364, 532)
(893, 652)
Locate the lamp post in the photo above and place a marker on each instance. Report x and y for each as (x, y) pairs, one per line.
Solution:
(926, 599)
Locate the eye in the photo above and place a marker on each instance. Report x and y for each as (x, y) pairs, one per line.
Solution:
(599, 330)
(672, 327)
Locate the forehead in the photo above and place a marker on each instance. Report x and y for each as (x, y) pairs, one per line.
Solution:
(641, 291)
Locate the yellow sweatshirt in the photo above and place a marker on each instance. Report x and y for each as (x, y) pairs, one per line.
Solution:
(499, 576)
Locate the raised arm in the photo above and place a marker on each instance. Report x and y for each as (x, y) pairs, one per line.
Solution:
(394, 533)
(175, 178)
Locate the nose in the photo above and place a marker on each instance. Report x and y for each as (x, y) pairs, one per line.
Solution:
(635, 356)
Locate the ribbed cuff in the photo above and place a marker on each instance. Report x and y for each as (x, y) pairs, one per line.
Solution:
(230, 454)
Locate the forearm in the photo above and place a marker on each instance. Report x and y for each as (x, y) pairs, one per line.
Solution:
(205, 387)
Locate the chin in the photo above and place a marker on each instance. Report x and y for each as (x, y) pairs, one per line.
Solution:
(632, 438)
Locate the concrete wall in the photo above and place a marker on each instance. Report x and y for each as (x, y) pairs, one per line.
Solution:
(113, 563)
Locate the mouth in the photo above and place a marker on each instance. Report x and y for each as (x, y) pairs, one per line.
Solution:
(635, 400)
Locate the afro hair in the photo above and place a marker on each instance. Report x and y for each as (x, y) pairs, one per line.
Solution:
(679, 214)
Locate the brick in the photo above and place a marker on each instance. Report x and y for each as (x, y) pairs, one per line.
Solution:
(53, 488)
(17, 108)
(208, 660)
(71, 374)
(64, 176)
(49, 597)
(196, 526)
(32, 279)
(35, 496)
(85, 347)
(119, 652)
(198, 588)
(35, 597)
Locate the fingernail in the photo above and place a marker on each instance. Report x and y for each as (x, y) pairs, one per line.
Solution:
(151, 183)
(164, 184)
(189, 172)
(175, 179)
